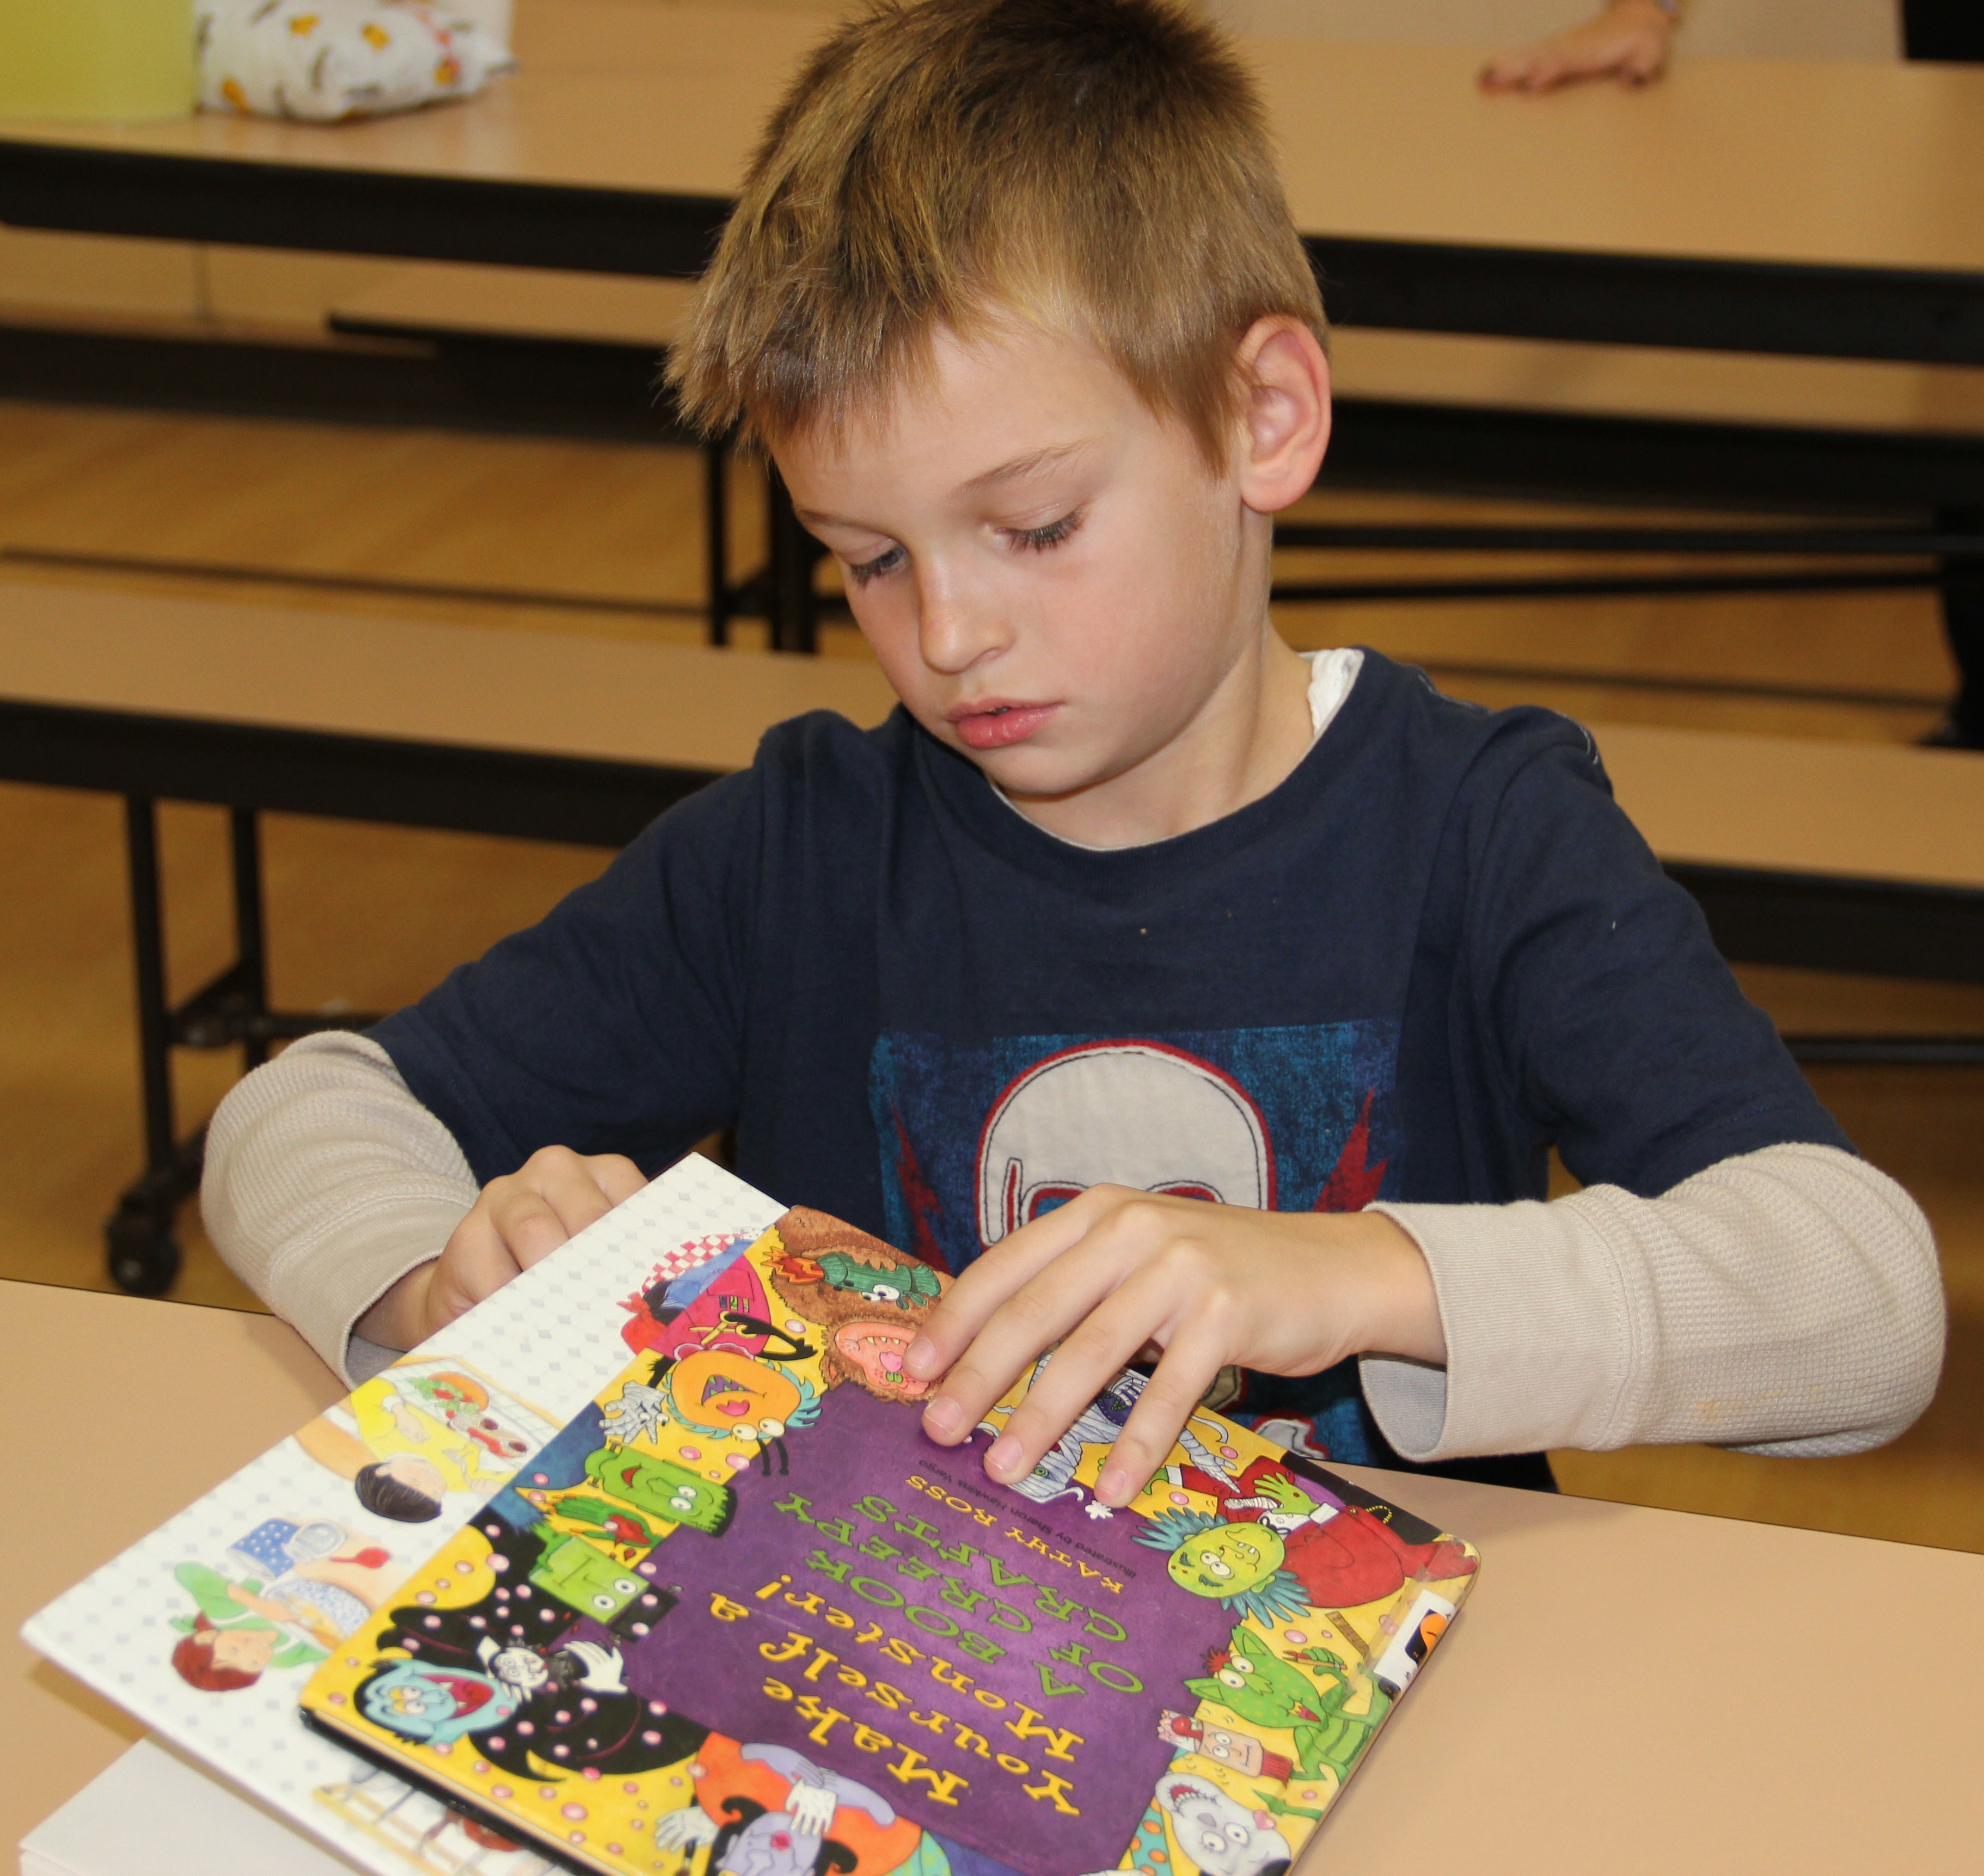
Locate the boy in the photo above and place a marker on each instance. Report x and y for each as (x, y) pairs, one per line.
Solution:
(1128, 908)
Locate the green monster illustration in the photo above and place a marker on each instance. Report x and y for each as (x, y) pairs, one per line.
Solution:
(906, 1286)
(583, 1579)
(1240, 1566)
(1245, 1678)
(662, 1489)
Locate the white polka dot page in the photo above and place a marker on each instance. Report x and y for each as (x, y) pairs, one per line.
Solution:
(209, 1628)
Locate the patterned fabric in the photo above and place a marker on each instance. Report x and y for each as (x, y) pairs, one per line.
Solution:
(326, 60)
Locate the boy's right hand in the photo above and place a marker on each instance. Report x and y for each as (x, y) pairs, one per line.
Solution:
(519, 1220)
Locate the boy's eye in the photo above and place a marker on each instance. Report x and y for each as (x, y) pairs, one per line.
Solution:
(1038, 540)
(883, 563)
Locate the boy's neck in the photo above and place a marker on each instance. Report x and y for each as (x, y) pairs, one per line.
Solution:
(1243, 742)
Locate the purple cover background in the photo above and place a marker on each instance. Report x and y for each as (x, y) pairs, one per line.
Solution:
(711, 1670)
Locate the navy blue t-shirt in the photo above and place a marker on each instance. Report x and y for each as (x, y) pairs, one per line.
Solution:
(1436, 949)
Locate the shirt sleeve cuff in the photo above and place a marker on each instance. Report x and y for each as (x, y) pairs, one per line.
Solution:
(1530, 1364)
(323, 1300)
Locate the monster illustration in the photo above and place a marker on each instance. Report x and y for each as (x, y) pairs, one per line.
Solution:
(723, 1394)
(435, 1705)
(659, 1488)
(1249, 1680)
(903, 1286)
(1216, 1834)
(1241, 1751)
(1304, 1554)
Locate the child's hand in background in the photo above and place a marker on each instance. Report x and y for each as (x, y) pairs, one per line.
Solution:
(1117, 1275)
(1628, 41)
(518, 1220)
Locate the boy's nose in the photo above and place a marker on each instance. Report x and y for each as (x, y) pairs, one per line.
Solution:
(953, 632)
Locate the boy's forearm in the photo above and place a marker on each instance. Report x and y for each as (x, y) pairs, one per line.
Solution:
(326, 1184)
(1787, 1300)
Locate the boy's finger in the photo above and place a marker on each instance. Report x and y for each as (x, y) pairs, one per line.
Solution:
(1170, 1397)
(529, 1224)
(474, 1263)
(1075, 1374)
(619, 1177)
(992, 1281)
(572, 1190)
(1032, 1319)
(1092, 1357)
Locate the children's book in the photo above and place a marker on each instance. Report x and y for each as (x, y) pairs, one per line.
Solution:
(679, 1587)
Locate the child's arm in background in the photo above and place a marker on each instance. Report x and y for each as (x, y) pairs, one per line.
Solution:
(347, 1207)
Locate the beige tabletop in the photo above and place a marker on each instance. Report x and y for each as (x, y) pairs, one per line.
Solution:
(181, 1397)
(1627, 1690)
(1853, 165)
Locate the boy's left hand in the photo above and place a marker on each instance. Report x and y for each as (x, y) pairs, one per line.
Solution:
(1116, 1275)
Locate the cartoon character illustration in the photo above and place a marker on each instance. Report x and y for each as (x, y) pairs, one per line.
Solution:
(1242, 1751)
(1425, 1621)
(1215, 1834)
(434, 1705)
(905, 1285)
(767, 1811)
(719, 1310)
(1248, 1679)
(869, 1297)
(870, 1353)
(575, 1664)
(1273, 1563)
(301, 1589)
(557, 1724)
(420, 1430)
(597, 1585)
(662, 1489)
(723, 1394)
(1097, 1425)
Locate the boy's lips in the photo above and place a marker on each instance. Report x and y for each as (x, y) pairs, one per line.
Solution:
(997, 725)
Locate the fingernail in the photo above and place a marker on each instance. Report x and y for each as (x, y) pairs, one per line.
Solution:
(941, 1416)
(919, 1358)
(1005, 1458)
(1115, 1485)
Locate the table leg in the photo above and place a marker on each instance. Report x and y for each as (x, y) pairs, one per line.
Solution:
(716, 524)
(144, 1257)
(1963, 627)
(794, 613)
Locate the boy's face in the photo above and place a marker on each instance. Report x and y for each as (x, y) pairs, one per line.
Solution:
(1051, 577)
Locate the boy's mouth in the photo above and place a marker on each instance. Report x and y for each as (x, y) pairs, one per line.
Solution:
(997, 726)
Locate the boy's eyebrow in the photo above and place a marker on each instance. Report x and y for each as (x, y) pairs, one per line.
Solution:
(1021, 466)
(1017, 470)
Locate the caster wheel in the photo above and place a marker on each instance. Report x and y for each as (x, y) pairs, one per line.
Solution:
(143, 1259)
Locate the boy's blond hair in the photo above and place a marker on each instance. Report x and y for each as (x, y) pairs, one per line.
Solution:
(1099, 169)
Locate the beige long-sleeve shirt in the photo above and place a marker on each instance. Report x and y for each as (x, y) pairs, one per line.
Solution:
(1787, 1300)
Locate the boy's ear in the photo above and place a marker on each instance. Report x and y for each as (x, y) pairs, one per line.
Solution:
(1286, 420)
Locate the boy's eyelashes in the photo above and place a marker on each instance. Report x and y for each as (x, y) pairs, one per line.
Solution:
(1029, 540)
(1036, 539)
(887, 561)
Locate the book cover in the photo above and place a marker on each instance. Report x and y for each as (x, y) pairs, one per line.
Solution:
(740, 1617)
